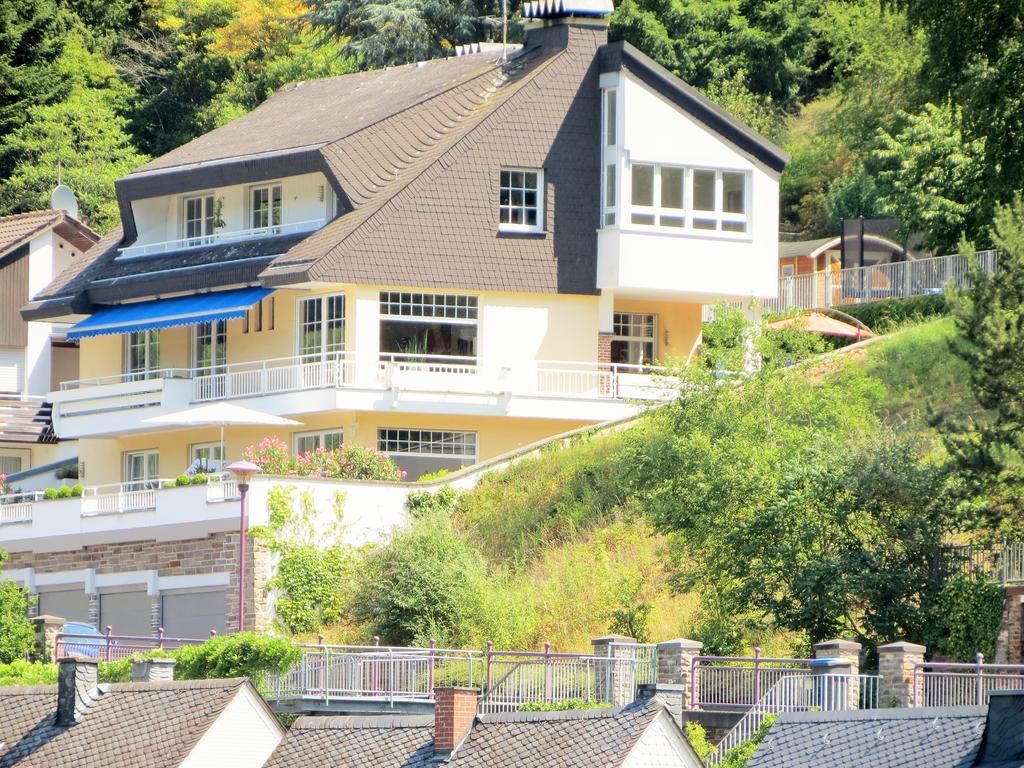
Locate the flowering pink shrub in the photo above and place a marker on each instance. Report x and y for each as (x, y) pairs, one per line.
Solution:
(5, 487)
(351, 462)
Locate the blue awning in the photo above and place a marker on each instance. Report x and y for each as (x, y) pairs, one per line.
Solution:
(166, 313)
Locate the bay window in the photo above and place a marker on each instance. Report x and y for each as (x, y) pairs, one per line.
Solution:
(699, 199)
(427, 325)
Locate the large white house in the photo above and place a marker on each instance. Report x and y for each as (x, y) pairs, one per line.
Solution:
(443, 261)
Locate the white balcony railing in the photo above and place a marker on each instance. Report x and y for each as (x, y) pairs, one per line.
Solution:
(218, 238)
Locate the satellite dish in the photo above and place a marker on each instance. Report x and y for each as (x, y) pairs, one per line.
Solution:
(62, 198)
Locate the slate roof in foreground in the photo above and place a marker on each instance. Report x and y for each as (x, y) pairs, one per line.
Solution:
(928, 737)
(142, 725)
(596, 737)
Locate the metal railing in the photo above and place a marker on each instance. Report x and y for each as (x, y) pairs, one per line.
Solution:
(188, 243)
(266, 377)
(111, 647)
(127, 378)
(515, 678)
(738, 682)
(645, 655)
(380, 673)
(801, 693)
(941, 684)
(1002, 562)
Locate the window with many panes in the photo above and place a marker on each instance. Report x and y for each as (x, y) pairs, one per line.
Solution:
(520, 201)
(427, 325)
(322, 327)
(418, 451)
(265, 206)
(141, 353)
(198, 217)
(634, 337)
(325, 439)
(699, 199)
(207, 457)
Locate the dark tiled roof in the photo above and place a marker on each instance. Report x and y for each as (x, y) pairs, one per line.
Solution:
(18, 229)
(929, 737)
(602, 737)
(131, 724)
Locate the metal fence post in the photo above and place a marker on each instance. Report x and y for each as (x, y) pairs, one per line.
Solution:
(323, 665)
(694, 671)
(757, 675)
(110, 631)
(547, 671)
(490, 650)
(430, 672)
(160, 637)
(979, 660)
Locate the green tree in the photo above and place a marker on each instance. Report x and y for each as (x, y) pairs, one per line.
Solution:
(933, 178)
(81, 139)
(16, 633)
(989, 447)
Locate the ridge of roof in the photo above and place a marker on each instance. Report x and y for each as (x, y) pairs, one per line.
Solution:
(654, 704)
(169, 685)
(355, 722)
(619, 53)
(883, 714)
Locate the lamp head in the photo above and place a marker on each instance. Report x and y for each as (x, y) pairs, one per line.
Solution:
(243, 470)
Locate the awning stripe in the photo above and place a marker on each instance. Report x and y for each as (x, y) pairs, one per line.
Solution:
(168, 313)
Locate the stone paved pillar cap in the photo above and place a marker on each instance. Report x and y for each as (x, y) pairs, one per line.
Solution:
(612, 639)
(45, 618)
(901, 647)
(682, 642)
(838, 644)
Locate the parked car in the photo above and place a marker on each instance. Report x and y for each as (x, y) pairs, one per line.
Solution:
(84, 640)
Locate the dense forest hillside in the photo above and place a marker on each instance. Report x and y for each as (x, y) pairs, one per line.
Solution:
(907, 108)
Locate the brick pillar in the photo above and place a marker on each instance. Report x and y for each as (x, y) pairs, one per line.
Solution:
(1010, 643)
(615, 681)
(675, 667)
(47, 628)
(845, 657)
(454, 712)
(604, 347)
(898, 686)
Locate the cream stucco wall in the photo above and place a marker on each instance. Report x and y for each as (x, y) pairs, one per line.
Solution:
(678, 326)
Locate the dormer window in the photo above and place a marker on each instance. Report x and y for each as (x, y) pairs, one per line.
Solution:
(265, 206)
(198, 215)
(520, 201)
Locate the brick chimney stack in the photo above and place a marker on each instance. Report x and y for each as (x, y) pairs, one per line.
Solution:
(454, 712)
(77, 688)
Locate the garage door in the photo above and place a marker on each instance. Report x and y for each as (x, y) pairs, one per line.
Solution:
(68, 604)
(11, 363)
(127, 612)
(193, 614)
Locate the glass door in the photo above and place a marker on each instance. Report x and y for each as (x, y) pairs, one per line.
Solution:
(141, 470)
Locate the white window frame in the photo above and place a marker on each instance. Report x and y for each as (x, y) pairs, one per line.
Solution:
(152, 340)
(324, 353)
(453, 308)
(413, 436)
(688, 213)
(214, 447)
(321, 436)
(250, 209)
(652, 339)
(539, 192)
(210, 194)
(148, 481)
(215, 367)
(610, 157)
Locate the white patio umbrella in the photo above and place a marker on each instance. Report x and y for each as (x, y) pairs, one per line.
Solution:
(219, 415)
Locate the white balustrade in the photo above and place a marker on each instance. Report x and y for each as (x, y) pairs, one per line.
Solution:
(218, 238)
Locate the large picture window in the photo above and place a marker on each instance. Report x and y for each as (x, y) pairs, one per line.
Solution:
(427, 325)
(322, 327)
(265, 206)
(418, 451)
(689, 198)
(633, 340)
(141, 353)
(520, 202)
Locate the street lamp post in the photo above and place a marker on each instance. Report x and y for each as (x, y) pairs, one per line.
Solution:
(242, 470)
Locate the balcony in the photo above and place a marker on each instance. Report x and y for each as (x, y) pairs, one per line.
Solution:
(218, 238)
(350, 381)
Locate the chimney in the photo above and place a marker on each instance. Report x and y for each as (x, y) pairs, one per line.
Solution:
(454, 713)
(560, 24)
(152, 670)
(77, 688)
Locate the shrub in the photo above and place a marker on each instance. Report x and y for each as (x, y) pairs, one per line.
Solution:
(181, 480)
(77, 490)
(351, 462)
(246, 654)
(736, 757)
(889, 314)
(67, 472)
(5, 487)
(50, 494)
(64, 492)
(16, 633)
(563, 706)
(200, 478)
(434, 475)
(21, 672)
(966, 618)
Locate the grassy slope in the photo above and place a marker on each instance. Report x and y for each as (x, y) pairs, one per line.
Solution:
(562, 530)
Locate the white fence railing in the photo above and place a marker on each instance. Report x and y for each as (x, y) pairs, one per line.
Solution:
(961, 684)
(738, 682)
(801, 693)
(217, 238)
(860, 285)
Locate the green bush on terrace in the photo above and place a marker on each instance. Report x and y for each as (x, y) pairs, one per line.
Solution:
(348, 462)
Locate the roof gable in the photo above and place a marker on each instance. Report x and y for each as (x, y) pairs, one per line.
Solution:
(21, 228)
